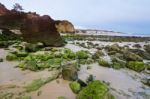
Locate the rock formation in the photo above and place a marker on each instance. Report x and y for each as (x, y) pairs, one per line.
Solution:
(64, 26)
(34, 28)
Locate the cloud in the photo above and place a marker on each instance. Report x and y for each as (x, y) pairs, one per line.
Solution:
(91, 13)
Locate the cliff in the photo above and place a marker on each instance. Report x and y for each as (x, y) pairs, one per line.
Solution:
(64, 26)
(34, 28)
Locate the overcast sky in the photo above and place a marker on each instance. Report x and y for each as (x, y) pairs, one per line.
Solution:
(131, 16)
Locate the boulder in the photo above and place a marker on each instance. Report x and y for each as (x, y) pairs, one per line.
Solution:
(95, 90)
(117, 63)
(136, 66)
(137, 46)
(64, 26)
(1, 60)
(146, 81)
(114, 47)
(147, 48)
(129, 56)
(69, 71)
(41, 29)
(75, 86)
(141, 53)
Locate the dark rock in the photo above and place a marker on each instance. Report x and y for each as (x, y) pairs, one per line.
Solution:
(137, 46)
(82, 83)
(69, 71)
(117, 63)
(146, 81)
(147, 48)
(97, 54)
(129, 56)
(114, 47)
(1, 60)
(141, 53)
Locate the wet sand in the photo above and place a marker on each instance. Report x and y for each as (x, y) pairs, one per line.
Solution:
(54, 89)
(123, 83)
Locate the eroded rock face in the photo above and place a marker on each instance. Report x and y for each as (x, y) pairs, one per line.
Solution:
(64, 26)
(34, 28)
(69, 72)
(41, 29)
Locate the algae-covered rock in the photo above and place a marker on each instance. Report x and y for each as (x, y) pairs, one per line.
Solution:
(68, 54)
(146, 81)
(75, 86)
(103, 62)
(114, 47)
(32, 47)
(136, 65)
(69, 71)
(117, 63)
(82, 54)
(148, 65)
(11, 57)
(1, 60)
(61, 97)
(95, 90)
(97, 54)
(141, 53)
(147, 48)
(129, 56)
(21, 54)
(137, 46)
(5, 44)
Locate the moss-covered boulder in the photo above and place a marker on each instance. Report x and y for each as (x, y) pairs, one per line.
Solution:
(1, 60)
(141, 53)
(68, 54)
(75, 87)
(95, 90)
(147, 48)
(21, 54)
(97, 54)
(114, 47)
(5, 44)
(82, 54)
(129, 56)
(61, 97)
(136, 65)
(117, 63)
(69, 71)
(137, 46)
(103, 62)
(31, 47)
(11, 57)
(146, 81)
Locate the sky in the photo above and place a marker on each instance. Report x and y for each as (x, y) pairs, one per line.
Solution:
(128, 16)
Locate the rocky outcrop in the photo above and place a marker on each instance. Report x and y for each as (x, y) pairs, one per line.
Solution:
(64, 26)
(41, 29)
(3, 10)
(34, 28)
(69, 72)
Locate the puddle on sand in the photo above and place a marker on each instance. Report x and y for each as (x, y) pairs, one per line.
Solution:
(53, 90)
(123, 84)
